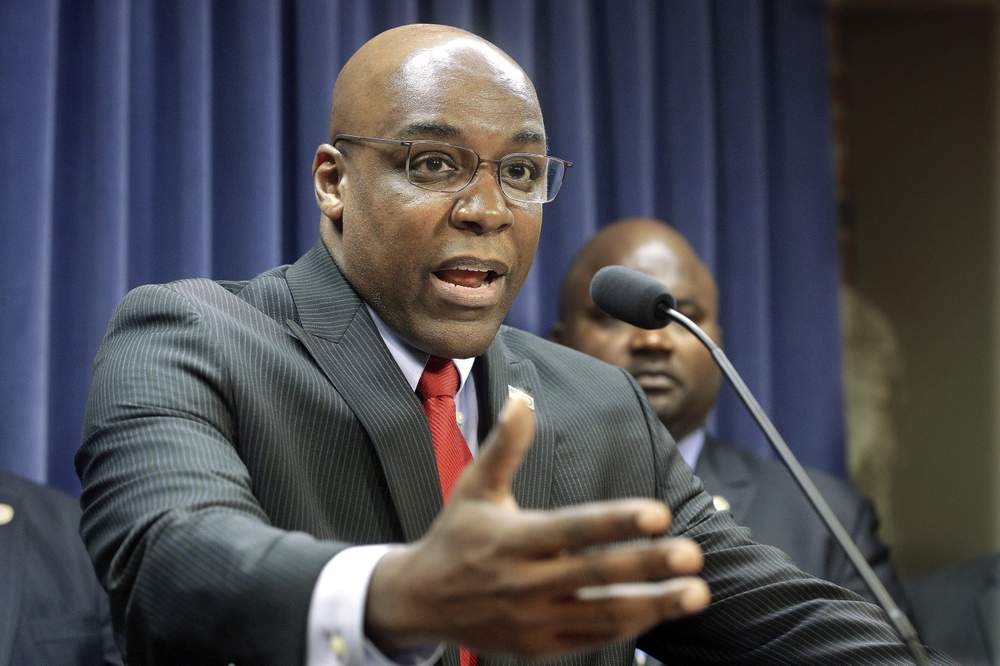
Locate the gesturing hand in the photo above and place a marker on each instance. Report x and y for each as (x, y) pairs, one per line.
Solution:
(498, 579)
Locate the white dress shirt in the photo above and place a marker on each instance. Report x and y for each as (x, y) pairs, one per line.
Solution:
(690, 447)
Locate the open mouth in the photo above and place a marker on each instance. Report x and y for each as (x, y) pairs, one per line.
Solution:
(470, 282)
(471, 278)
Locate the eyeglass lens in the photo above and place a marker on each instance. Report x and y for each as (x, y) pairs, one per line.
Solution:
(446, 168)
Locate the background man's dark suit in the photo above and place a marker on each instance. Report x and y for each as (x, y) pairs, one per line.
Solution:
(202, 524)
(959, 610)
(52, 609)
(763, 497)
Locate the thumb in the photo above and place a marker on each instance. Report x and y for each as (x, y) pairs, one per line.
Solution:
(491, 475)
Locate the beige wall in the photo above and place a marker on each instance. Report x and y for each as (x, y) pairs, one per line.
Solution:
(924, 154)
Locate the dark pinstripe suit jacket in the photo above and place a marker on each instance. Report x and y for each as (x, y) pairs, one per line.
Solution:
(765, 498)
(238, 435)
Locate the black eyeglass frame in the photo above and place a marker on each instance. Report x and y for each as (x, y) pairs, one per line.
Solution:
(479, 161)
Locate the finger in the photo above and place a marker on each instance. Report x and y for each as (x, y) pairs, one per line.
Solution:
(574, 624)
(641, 563)
(545, 533)
(629, 609)
(491, 475)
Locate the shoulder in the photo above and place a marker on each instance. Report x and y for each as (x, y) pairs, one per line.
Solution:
(155, 314)
(42, 505)
(771, 473)
(558, 361)
(195, 297)
(840, 491)
(569, 375)
(587, 396)
(980, 573)
(39, 498)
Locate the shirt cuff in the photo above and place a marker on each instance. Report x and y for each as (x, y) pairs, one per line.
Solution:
(335, 629)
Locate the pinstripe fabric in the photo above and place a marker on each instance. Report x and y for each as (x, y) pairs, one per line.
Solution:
(238, 435)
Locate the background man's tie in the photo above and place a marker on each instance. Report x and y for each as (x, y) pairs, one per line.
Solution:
(437, 388)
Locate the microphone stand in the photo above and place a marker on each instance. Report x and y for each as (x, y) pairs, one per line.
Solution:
(899, 621)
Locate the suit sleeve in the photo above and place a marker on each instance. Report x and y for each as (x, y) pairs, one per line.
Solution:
(194, 570)
(763, 610)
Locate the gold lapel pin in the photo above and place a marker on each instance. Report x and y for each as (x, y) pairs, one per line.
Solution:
(513, 392)
(720, 502)
(6, 513)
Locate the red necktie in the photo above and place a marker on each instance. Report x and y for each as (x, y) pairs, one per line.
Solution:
(437, 388)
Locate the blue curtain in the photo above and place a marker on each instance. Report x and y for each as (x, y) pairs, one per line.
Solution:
(147, 141)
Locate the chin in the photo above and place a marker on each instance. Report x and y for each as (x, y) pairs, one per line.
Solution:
(467, 347)
(460, 339)
(668, 417)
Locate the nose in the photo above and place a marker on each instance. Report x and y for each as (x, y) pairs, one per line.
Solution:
(650, 341)
(482, 208)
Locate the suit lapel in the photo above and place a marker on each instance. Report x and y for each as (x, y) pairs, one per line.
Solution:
(338, 332)
(11, 563)
(726, 475)
(501, 372)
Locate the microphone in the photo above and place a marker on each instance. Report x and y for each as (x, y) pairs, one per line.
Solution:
(632, 296)
(640, 300)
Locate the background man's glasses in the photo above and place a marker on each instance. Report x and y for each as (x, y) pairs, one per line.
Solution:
(445, 167)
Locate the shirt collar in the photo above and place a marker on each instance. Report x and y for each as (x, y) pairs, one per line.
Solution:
(690, 447)
(410, 359)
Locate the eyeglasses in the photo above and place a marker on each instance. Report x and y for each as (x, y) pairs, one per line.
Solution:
(444, 167)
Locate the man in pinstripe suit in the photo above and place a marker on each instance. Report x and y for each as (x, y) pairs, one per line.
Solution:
(248, 446)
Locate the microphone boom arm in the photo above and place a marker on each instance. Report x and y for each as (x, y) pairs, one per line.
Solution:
(899, 621)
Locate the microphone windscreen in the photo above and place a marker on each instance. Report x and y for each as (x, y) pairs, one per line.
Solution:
(631, 296)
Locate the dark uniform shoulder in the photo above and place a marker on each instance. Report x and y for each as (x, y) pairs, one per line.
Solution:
(838, 492)
(55, 504)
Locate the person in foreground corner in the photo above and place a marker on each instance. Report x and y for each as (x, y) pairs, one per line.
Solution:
(52, 608)
(349, 459)
(681, 381)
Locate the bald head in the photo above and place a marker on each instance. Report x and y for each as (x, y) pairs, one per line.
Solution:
(440, 266)
(677, 373)
(412, 64)
(644, 244)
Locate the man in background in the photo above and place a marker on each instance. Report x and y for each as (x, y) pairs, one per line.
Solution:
(682, 383)
(52, 609)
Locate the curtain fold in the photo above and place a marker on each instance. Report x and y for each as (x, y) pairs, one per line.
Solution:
(147, 141)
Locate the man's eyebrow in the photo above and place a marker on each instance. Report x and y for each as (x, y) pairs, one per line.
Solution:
(425, 128)
(530, 136)
(690, 303)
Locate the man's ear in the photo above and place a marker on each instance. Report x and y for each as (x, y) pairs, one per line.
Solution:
(328, 182)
